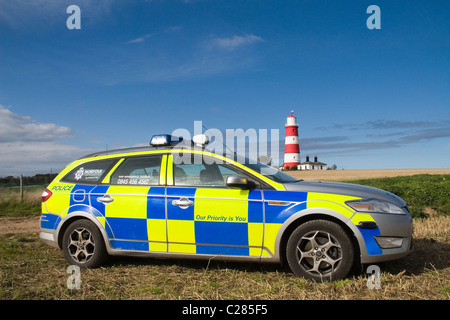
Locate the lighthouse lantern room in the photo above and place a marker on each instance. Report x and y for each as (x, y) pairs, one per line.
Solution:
(291, 146)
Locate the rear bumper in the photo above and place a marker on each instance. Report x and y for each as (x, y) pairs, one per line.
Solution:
(48, 236)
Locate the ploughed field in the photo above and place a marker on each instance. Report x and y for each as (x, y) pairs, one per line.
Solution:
(341, 175)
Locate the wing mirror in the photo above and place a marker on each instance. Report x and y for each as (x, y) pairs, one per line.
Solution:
(239, 182)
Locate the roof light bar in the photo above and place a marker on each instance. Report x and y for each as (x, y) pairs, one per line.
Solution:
(160, 140)
(164, 140)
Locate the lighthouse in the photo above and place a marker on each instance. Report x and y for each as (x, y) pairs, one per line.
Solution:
(291, 146)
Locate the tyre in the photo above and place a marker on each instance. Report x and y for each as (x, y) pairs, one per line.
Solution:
(320, 250)
(83, 244)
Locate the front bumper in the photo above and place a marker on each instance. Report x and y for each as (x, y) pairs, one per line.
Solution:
(390, 240)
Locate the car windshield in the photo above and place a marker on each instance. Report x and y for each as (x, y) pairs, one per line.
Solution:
(270, 172)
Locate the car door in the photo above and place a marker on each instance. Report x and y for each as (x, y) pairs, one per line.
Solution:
(204, 216)
(134, 204)
(84, 179)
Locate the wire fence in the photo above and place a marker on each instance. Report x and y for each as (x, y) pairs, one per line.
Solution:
(36, 180)
(19, 187)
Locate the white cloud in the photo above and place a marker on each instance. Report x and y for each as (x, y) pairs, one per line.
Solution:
(29, 147)
(236, 41)
(14, 127)
(41, 154)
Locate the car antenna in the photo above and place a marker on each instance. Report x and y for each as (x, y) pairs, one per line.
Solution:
(220, 141)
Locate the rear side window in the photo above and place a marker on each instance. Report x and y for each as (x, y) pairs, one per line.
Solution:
(140, 171)
(91, 172)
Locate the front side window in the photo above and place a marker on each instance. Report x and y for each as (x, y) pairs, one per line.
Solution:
(138, 171)
(201, 173)
(91, 172)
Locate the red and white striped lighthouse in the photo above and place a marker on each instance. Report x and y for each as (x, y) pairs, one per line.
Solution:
(291, 146)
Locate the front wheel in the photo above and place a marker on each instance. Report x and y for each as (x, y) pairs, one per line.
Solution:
(83, 244)
(320, 250)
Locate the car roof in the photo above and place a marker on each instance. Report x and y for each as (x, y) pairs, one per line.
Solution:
(143, 149)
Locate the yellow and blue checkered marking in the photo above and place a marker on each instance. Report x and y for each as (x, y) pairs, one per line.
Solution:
(219, 222)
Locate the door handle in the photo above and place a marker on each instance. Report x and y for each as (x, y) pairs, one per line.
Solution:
(183, 203)
(105, 199)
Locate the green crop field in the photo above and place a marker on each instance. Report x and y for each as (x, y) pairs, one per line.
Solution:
(425, 194)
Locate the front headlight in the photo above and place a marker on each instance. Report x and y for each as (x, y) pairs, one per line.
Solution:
(375, 205)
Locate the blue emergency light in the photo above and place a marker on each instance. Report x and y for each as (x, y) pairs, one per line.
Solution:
(164, 140)
(160, 140)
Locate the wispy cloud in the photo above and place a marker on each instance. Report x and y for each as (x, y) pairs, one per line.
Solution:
(387, 125)
(140, 39)
(236, 41)
(389, 134)
(175, 58)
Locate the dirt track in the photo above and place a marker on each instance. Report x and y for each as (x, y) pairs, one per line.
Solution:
(31, 224)
(19, 225)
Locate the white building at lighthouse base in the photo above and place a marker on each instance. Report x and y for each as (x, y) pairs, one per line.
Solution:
(312, 165)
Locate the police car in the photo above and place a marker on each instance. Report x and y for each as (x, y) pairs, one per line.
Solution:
(177, 199)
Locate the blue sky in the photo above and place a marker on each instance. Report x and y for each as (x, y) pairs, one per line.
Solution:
(363, 98)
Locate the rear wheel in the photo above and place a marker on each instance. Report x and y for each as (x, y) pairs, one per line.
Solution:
(320, 250)
(83, 244)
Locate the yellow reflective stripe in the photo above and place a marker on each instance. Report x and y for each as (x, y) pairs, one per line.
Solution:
(162, 174)
(59, 202)
(108, 176)
(359, 217)
(335, 202)
(221, 205)
(181, 236)
(118, 155)
(255, 238)
(102, 221)
(65, 171)
(270, 235)
(156, 234)
(129, 202)
(170, 171)
(274, 184)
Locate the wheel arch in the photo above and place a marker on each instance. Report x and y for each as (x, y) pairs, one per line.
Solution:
(79, 215)
(308, 215)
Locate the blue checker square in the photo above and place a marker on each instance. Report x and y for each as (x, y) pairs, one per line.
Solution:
(224, 233)
(225, 250)
(130, 245)
(127, 228)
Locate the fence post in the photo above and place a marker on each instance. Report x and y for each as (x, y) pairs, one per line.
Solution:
(21, 189)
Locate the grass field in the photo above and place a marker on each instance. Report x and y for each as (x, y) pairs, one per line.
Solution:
(11, 204)
(31, 270)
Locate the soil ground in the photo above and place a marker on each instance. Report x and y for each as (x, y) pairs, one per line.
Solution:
(19, 225)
